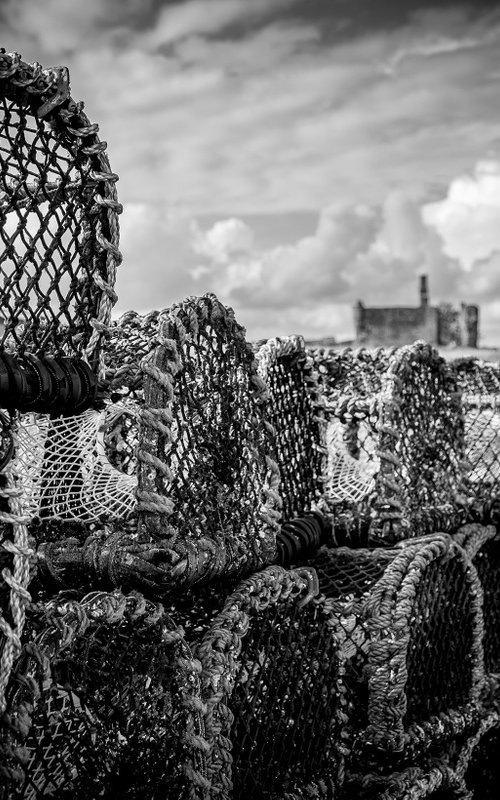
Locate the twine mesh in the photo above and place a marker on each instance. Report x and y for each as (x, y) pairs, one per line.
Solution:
(412, 627)
(271, 678)
(58, 207)
(65, 472)
(480, 384)
(103, 702)
(296, 415)
(206, 480)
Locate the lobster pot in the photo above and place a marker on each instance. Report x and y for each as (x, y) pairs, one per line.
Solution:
(271, 680)
(482, 544)
(411, 623)
(295, 412)
(180, 469)
(395, 443)
(102, 701)
(479, 382)
(58, 206)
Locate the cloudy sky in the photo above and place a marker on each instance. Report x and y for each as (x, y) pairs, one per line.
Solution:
(291, 155)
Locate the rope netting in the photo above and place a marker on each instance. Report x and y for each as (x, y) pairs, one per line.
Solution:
(270, 678)
(58, 207)
(294, 410)
(65, 470)
(59, 253)
(207, 479)
(479, 382)
(412, 627)
(396, 443)
(103, 701)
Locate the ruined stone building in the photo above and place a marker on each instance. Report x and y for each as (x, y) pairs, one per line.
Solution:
(438, 325)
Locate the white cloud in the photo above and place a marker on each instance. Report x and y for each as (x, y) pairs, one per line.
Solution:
(194, 17)
(468, 219)
(227, 239)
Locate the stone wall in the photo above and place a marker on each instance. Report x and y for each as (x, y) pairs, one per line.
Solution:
(385, 327)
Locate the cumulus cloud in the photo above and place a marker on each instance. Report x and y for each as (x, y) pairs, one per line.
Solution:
(468, 219)
(268, 116)
(225, 240)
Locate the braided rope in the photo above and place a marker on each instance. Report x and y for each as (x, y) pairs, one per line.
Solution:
(17, 579)
(389, 608)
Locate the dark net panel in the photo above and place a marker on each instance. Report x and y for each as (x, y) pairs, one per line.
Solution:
(346, 578)
(58, 209)
(487, 563)
(441, 653)
(206, 479)
(483, 771)
(101, 703)
(285, 692)
(295, 415)
(272, 684)
(351, 373)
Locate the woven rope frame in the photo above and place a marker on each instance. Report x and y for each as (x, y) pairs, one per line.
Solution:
(203, 433)
(470, 755)
(482, 544)
(221, 652)
(414, 783)
(377, 619)
(43, 677)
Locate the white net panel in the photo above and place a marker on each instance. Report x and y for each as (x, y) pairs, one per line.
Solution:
(350, 478)
(64, 469)
(482, 438)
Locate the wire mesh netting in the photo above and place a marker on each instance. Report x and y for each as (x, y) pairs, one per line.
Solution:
(296, 415)
(101, 703)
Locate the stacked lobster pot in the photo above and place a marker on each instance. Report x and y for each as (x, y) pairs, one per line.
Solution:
(227, 571)
(403, 576)
(151, 644)
(99, 692)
